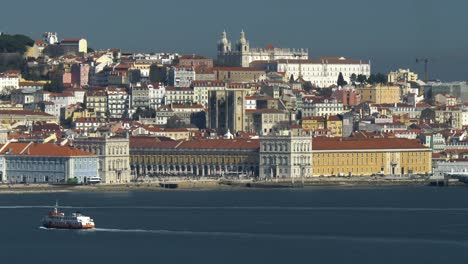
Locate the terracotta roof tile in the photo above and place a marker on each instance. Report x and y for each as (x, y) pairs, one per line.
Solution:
(23, 112)
(365, 143)
(237, 69)
(152, 142)
(46, 149)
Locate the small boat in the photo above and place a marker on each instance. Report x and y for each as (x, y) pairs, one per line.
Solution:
(56, 219)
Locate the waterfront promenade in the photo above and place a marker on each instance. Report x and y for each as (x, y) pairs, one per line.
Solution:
(154, 184)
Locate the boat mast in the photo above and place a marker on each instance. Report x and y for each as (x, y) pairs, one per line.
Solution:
(56, 206)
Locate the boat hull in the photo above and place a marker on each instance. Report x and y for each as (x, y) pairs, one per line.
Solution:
(67, 226)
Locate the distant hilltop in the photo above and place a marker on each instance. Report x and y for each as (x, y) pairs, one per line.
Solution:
(12, 50)
(15, 43)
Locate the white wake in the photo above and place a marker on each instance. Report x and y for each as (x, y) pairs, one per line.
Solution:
(241, 235)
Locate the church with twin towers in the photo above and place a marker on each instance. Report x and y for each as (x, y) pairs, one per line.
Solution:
(242, 55)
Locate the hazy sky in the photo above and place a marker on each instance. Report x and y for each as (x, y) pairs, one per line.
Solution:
(391, 34)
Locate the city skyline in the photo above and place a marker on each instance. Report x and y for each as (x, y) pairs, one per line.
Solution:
(362, 29)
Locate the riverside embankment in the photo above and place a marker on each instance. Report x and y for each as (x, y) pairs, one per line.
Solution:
(217, 184)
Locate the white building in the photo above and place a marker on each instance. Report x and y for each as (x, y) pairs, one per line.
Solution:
(321, 72)
(179, 95)
(286, 154)
(315, 106)
(9, 80)
(250, 102)
(60, 102)
(202, 88)
(157, 58)
(117, 102)
(444, 167)
(181, 77)
(148, 96)
(143, 67)
(78, 93)
(465, 117)
(243, 55)
(113, 156)
(156, 93)
(88, 124)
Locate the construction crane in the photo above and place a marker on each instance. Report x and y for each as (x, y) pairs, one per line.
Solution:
(425, 61)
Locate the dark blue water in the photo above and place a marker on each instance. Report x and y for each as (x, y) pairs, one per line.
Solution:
(317, 225)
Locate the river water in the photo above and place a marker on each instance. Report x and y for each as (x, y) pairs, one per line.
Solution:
(311, 225)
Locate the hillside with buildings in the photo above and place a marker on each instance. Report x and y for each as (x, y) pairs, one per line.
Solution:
(261, 113)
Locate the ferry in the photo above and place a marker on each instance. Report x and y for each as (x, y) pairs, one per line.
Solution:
(56, 219)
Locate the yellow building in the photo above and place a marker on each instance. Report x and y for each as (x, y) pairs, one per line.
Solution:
(380, 94)
(80, 45)
(96, 101)
(333, 124)
(83, 114)
(402, 75)
(313, 123)
(14, 116)
(452, 116)
(173, 133)
(239, 74)
(370, 156)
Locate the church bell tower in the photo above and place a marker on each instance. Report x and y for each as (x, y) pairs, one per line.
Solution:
(224, 45)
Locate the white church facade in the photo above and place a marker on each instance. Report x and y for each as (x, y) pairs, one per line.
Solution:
(243, 55)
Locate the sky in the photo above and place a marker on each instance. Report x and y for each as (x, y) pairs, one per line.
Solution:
(391, 34)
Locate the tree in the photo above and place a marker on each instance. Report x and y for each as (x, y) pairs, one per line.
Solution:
(15, 43)
(11, 61)
(158, 73)
(145, 113)
(353, 78)
(198, 119)
(377, 78)
(428, 114)
(361, 78)
(136, 115)
(134, 76)
(325, 92)
(381, 78)
(341, 81)
(299, 115)
(72, 181)
(56, 81)
(372, 79)
(307, 86)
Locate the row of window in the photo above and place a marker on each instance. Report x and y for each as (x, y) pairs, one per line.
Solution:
(366, 170)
